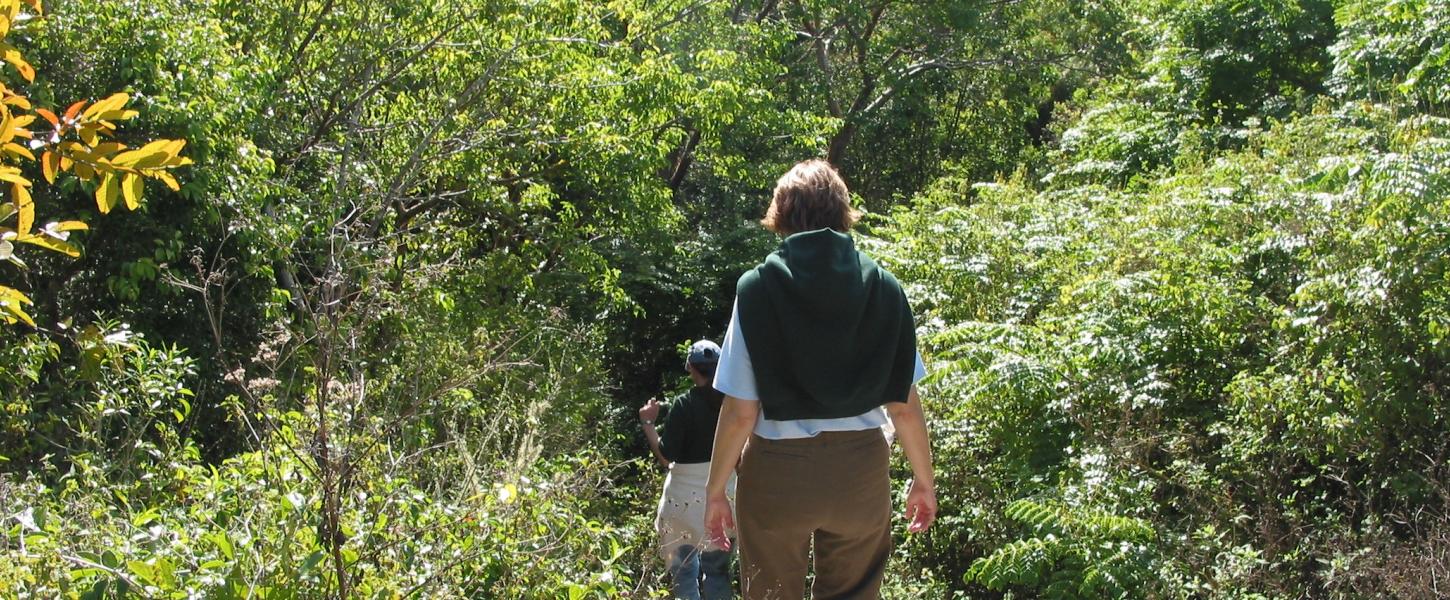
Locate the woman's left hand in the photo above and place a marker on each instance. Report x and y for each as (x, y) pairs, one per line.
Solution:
(719, 521)
(920, 507)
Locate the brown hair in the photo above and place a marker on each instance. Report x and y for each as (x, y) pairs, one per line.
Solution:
(810, 196)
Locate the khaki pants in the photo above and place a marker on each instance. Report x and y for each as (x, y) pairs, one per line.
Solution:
(835, 488)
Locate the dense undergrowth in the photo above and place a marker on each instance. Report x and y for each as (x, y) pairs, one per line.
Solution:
(1209, 371)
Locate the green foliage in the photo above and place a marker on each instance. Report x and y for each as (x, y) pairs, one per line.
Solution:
(114, 406)
(246, 527)
(1203, 75)
(1239, 348)
(1252, 59)
(1073, 553)
(1394, 50)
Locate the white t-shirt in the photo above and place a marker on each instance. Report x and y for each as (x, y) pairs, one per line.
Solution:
(734, 376)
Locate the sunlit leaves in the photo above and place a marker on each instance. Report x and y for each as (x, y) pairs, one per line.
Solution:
(24, 207)
(1389, 49)
(107, 193)
(131, 190)
(50, 243)
(12, 303)
(12, 56)
(118, 172)
(77, 142)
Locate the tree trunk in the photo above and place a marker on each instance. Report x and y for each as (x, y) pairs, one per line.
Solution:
(684, 160)
(840, 142)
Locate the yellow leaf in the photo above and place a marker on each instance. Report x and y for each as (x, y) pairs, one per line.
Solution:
(170, 181)
(174, 147)
(11, 301)
(18, 150)
(158, 146)
(106, 149)
(118, 115)
(24, 206)
(49, 164)
(9, 293)
(12, 175)
(69, 226)
(88, 134)
(12, 55)
(145, 158)
(160, 153)
(106, 193)
(45, 241)
(131, 187)
(152, 154)
(112, 102)
(7, 125)
(18, 101)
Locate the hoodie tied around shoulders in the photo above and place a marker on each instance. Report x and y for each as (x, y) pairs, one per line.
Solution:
(830, 334)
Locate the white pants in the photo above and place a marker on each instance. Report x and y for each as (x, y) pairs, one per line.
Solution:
(680, 518)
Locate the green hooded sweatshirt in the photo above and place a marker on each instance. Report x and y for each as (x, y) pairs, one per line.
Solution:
(829, 332)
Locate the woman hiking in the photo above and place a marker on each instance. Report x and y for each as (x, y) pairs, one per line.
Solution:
(820, 355)
(698, 569)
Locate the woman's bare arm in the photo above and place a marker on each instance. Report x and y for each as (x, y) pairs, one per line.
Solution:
(737, 421)
(911, 429)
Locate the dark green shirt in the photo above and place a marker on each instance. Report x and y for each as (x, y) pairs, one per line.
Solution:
(688, 432)
(829, 332)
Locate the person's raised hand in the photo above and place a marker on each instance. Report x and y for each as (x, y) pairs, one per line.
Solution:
(719, 521)
(650, 410)
(920, 507)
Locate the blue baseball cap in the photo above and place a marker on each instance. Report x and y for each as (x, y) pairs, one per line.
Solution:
(703, 352)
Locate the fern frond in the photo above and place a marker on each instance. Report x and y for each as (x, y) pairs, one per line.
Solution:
(1022, 562)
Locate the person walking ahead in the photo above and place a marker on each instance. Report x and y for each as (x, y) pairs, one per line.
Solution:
(819, 357)
(698, 569)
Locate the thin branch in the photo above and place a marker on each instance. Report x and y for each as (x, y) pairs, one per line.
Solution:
(330, 121)
(680, 16)
(295, 64)
(136, 586)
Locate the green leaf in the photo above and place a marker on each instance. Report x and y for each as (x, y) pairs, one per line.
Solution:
(223, 543)
(146, 573)
(149, 515)
(311, 562)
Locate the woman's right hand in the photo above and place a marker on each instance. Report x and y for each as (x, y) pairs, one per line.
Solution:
(719, 521)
